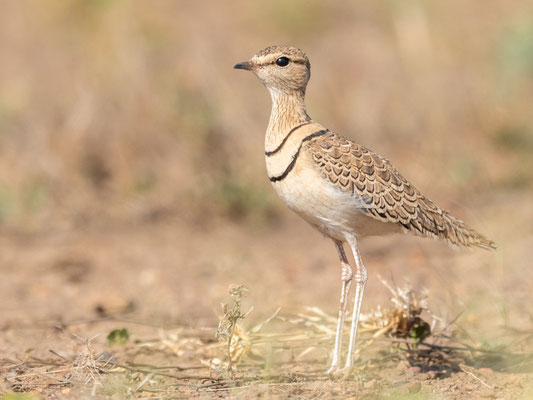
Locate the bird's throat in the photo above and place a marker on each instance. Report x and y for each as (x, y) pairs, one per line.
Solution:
(288, 111)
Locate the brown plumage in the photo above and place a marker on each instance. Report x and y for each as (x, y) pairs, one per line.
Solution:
(341, 188)
(388, 196)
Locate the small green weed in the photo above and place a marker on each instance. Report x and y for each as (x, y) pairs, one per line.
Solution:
(118, 336)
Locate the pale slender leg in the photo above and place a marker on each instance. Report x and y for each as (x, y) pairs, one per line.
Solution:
(346, 277)
(361, 276)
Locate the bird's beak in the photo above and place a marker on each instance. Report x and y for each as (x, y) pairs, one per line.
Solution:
(247, 65)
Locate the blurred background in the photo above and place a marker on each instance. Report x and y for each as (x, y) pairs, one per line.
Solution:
(131, 153)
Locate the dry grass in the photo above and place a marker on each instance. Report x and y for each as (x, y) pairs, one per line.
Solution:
(131, 177)
(230, 333)
(247, 356)
(33, 374)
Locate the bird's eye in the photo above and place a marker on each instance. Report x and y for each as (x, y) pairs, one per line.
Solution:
(282, 61)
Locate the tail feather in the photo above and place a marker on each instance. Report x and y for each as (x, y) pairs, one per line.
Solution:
(459, 234)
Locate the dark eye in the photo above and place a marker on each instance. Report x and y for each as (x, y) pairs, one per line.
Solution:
(282, 61)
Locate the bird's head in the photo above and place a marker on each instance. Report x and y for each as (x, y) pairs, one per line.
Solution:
(282, 69)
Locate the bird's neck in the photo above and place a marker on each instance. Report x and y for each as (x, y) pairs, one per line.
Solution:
(288, 111)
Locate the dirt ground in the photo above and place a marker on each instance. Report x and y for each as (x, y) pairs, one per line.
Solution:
(164, 280)
(133, 195)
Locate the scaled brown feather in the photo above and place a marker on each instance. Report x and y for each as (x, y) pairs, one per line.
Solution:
(387, 195)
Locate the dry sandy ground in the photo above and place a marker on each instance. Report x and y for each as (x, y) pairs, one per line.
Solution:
(164, 281)
(113, 109)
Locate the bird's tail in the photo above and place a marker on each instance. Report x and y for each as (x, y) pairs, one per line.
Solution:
(459, 234)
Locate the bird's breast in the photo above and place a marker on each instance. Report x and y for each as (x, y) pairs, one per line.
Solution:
(330, 210)
(300, 184)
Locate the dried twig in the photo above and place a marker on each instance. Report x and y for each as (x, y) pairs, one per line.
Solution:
(228, 329)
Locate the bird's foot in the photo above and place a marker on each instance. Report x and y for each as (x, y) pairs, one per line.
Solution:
(340, 373)
(331, 371)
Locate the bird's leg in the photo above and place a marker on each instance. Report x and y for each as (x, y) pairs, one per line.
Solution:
(346, 278)
(361, 277)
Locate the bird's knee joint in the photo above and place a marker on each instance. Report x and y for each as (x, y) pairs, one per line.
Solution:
(361, 277)
(347, 273)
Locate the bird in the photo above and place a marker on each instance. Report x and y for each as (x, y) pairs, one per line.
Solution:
(343, 189)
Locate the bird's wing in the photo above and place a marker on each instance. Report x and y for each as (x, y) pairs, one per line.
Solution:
(388, 196)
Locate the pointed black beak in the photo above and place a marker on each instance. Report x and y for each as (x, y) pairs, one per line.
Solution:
(247, 65)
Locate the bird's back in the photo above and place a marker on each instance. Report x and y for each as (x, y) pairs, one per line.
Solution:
(386, 195)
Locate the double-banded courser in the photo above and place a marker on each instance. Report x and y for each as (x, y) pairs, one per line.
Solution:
(341, 188)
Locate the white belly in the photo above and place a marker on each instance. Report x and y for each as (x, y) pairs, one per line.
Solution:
(330, 210)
